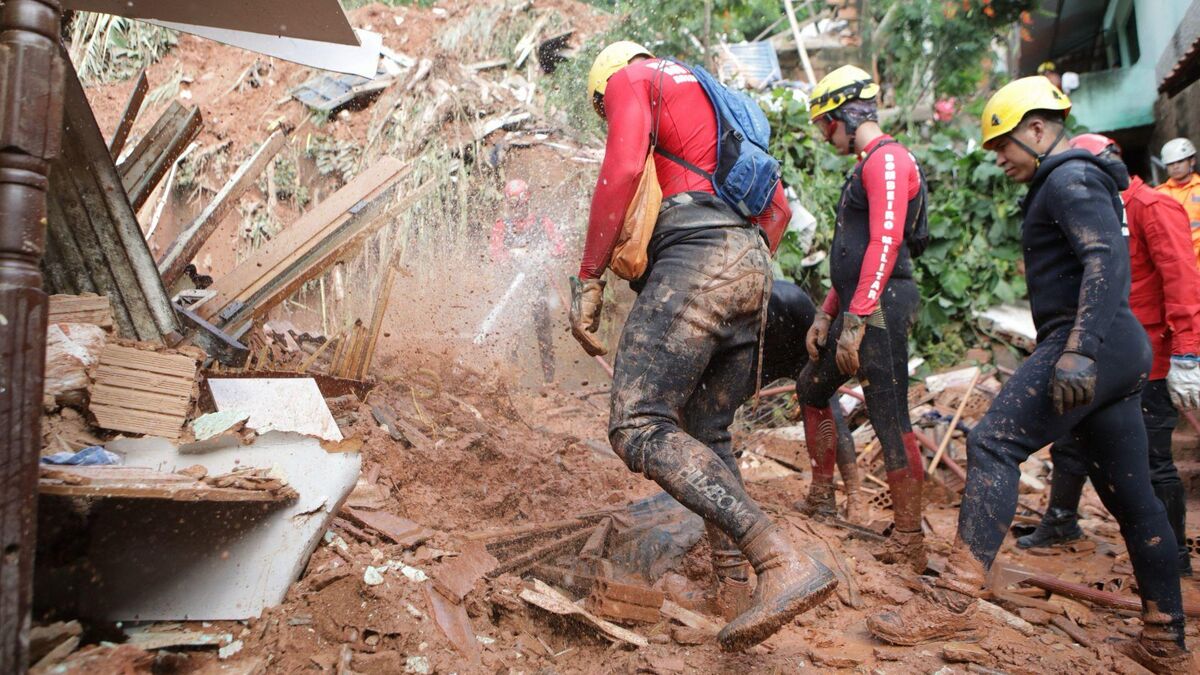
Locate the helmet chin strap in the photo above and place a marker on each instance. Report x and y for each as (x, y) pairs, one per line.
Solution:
(1039, 158)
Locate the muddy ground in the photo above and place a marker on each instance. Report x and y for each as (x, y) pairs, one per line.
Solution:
(506, 449)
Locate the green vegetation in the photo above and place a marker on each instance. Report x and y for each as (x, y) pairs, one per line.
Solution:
(107, 48)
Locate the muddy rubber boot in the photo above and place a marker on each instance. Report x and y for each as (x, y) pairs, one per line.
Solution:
(856, 499)
(789, 583)
(820, 440)
(733, 575)
(820, 502)
(1159, 648)
(906, 545)
(943, 610)
(1059, 526)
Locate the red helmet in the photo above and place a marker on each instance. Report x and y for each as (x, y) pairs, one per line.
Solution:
(516, 190)
(1095, 144)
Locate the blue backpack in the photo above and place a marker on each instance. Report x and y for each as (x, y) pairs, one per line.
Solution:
(746, 174)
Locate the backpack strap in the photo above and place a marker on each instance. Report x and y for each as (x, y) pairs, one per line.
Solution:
(684, 163)
(654, 138)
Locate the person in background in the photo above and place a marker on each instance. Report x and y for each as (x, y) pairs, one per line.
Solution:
(1183, 185)
(1049, 71)
(522, 241)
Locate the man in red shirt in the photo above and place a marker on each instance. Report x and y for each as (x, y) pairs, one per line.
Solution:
(523, 240)
(692, 335)
(870, 306)
(1165, 297)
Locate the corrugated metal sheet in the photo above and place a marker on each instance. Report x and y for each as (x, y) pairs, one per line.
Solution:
(94, 243)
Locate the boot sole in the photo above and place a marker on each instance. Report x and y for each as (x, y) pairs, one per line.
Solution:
(740, 635)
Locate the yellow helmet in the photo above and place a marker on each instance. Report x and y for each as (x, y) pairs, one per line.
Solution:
(847, 83)
(1008, 106)
(1047, 67)
(611, 59)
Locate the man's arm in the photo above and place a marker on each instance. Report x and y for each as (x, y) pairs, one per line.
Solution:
(1082, 203)
(628, 113)
(1168, 238)
(557, 246)
(831, 304)
(886, 177)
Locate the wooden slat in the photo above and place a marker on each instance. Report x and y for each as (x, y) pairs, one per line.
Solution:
(120, 377)
(192, 239)
(132, 108)
(157, 151)
(96, 243)
(93, 309)
(381, 303)
(136, 421)
(301, 237)
(147, 401)
(154, 362)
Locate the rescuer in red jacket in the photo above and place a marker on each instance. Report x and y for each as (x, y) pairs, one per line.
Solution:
(691, 340)
(524, 241)
(1165, 298)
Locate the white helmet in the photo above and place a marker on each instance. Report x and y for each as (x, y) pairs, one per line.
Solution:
(1177, 149)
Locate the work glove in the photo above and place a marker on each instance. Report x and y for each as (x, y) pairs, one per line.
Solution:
(587, 299)
(818, 334)
(853, 328)
(1074, 382)
(1183, 381)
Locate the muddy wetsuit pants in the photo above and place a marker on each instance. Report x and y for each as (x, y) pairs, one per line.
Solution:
(681, 367)
(883, 372)
(1160, 417)
(1112, 435)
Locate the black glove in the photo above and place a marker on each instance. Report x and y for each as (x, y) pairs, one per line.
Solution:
(1074, 382)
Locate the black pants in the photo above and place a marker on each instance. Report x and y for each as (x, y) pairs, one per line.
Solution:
(1022, 420)
(883, 372)
(681, 369)
(1160, 417)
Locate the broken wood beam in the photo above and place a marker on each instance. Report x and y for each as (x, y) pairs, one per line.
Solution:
(123, 482)
(615, 610)
(193, 237)
(154, 155)
(132, 108)
(323, 236)
(550, 599)
(1082, 592)
(381, 303)
(524, 561)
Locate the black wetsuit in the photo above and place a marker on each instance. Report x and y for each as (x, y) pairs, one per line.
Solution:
(1077, 271)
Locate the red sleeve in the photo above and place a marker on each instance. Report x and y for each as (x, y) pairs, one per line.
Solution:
(832, 304)
(774, 220)
(1169, 241)
(497, 241)
(557, 247)
(886, 178)
(628, 112)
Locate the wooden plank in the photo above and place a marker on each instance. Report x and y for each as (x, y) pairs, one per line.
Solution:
(381, 302)
(176, 365)
(132, 108)
(120, 377)
(97, 243)
(157, 151)
(89, 308)
(192, 239)
(119, 418)
(148, 401)
(160, 492)
(312, 225)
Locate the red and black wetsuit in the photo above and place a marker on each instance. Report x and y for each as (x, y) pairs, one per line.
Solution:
(536, 236)
(511, 233)
(871, 272)
(1164, 296)
(690, 341)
